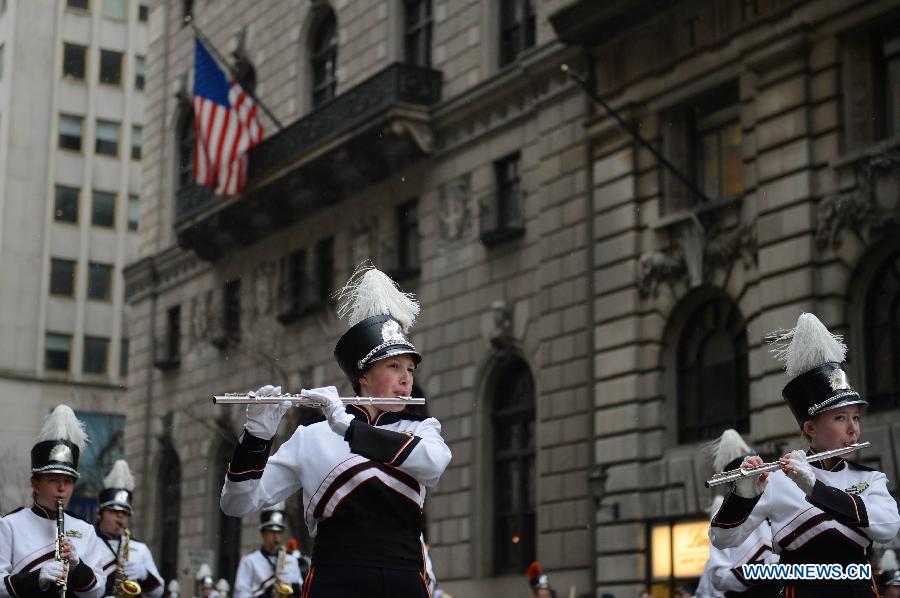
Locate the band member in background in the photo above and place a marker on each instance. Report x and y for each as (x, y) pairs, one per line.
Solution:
(539, 582)
(28, 537)
(364, 470)
(723, 574)
(824, 511)
(892, 587)
(271, 565)
(112, 524)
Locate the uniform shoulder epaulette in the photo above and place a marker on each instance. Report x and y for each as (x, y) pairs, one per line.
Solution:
(14, 511)
(79, 517)
(859, 466)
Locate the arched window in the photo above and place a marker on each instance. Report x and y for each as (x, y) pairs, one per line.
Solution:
(881, 327)
(712, 371)
(228, 530)
(324, 59)
(169, 514)
(186, 136)
(513, 426)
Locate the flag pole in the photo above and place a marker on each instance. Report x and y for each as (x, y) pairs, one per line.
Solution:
(209, 45)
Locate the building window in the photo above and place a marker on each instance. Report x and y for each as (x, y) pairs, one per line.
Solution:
(96, 354)
(516, 28)
(74, 61)
(77, 4)
(293, 292)
(99, 281)
(57, 351)
(114, 9)
(66, 204)
(2, 54)
(325, 269)
(110, 67)
(107, 143)
(887, 85)
(143, 11)
(232, 312)
(881, 327)
(123, 358)
(62, 277)
(173, 333)
(324, 59)
(169, 511)
(103, 209)
(185, 145)
(513, 423)
(139, 73)
(134, 212)
(417, 38)
(137, 140)
(502, 218)
(408, 239)
(712, 372)
(70, 132)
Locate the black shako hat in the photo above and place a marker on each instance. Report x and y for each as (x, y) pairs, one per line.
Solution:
(379, 315)
(118, 486)
(813, 358)
(60, 441)
(272, 518)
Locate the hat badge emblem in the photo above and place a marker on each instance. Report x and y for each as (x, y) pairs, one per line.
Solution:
(390, 331)
(838, 379)
(61, 454)
(121, 497)
(277, 518)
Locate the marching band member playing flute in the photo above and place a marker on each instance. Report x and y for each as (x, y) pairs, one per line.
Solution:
(28, 536)
(363, 472)
(821, 512)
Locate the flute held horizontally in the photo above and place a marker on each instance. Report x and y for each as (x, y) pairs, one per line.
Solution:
(743, 472)
(301, 400)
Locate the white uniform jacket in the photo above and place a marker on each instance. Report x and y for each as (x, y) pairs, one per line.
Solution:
(28, 539)
(151, 586)
(723, 571)
(848, 509)
(256, 574)
(362, 494)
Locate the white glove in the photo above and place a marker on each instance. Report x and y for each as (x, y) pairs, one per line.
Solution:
(333, 410)
(801, 472)
(750, 486)
(50, 572)
(135, 570)
(69, 553)
(263, 420)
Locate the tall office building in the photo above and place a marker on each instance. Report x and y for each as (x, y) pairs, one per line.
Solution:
(71, 106)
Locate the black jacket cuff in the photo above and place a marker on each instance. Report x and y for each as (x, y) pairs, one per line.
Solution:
(81, 577)
(377, 444)
(249, 459)
(24, 584)
(734, 511)
(843, 506)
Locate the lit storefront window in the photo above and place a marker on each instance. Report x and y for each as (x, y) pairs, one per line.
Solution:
(678, 553)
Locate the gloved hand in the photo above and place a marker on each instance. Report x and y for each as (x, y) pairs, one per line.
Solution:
(68, 553)
(135, 570)
(754, 485)
(50, 573)
(799, 470)
(334, 410)
(263, 420)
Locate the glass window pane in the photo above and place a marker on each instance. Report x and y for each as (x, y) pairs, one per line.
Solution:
(110, 67)
(143, 10)
(137, 140)
(96, 353)
(70, 132)
(74, 61)
(78, 4)
(134, 212)
(99, 281)
(732, 184)
(115, 9)
(57, 351)
(123, 358)
(139, 72)
(62, 277)
(66, 204)
(103, 209)
(107, 138)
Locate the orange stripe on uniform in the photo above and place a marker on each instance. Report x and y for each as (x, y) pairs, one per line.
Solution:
(307, 583)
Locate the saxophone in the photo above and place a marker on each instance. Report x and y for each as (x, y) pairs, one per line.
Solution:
(124, 587)
(60, 537)
(281, 589)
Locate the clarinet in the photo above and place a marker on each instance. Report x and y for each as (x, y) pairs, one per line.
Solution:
(60, 537)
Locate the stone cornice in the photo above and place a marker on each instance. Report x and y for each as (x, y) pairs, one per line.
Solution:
(153, 274)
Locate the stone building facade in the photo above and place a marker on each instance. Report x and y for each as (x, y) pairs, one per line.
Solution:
(589, 319)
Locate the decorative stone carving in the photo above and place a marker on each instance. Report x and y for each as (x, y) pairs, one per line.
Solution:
(457, 213)
(655, 267)
(200, 317)
(865, 209)
(263, 289)
(501, 335)
(727, 246)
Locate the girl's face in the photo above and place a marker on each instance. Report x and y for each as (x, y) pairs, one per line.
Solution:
(834, 428)
(389, 377)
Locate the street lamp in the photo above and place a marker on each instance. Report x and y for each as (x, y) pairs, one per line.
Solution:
(597, 481)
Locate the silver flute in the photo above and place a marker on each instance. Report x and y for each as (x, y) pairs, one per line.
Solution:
(302, 400)
(744, 472)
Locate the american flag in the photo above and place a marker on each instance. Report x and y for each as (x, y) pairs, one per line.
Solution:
(225, 125)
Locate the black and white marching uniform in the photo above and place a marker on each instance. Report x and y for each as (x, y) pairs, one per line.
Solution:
(28, 539)
(151, 585)
(362, 494)
(257, 572)
(723, 575)
(849, 508)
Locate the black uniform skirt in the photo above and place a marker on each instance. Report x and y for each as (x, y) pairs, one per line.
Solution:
(857, 589)
(342, 581)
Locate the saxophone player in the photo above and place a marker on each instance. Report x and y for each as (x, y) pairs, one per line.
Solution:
(263, 571)
(125, 559)
(28, 537)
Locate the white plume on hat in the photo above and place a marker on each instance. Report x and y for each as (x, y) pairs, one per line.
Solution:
(119, 476)
(726, 448)
(715, 505)
(888, 561)
(808, 345)
(370, 292)
(62, 424)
